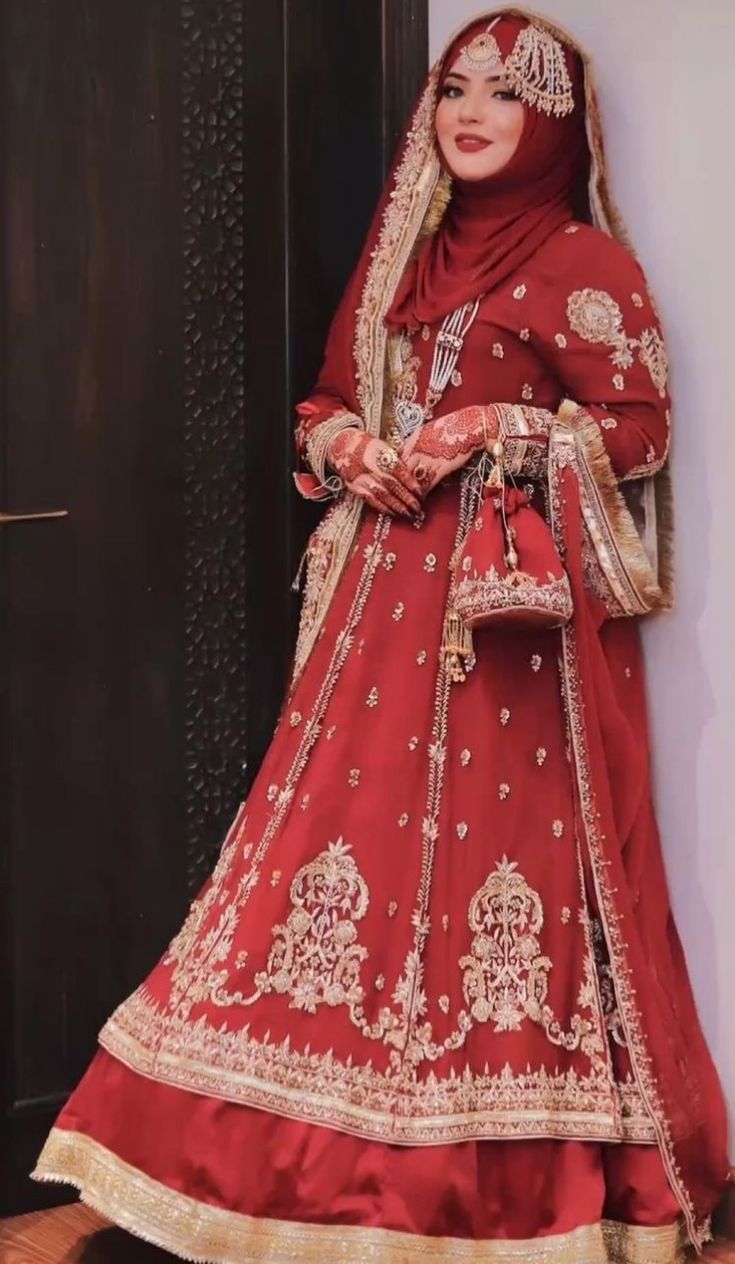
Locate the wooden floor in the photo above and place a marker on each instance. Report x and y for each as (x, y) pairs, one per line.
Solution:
(76, 1235)
(72, 1235)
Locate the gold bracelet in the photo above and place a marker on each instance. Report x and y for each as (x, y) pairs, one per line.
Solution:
(484, 429)
(497, 448)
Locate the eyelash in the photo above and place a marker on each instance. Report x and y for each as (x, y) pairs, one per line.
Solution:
(500, 94)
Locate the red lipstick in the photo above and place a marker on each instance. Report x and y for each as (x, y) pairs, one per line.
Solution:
(469, 143)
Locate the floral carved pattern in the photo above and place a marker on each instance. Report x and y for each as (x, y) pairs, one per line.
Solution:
(213, 183)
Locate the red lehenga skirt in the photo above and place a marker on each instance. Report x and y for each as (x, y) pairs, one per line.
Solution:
(388, 1028)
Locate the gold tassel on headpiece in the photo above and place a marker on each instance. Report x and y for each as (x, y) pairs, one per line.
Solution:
(537, 69)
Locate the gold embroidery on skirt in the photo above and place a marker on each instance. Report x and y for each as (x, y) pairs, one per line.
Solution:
(393, 1103)
(214, 1235)
(505, 976)
(315, 958)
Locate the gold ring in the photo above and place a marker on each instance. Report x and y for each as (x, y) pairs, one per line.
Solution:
(387, 459)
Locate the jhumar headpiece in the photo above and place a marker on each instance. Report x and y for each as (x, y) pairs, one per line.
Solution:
(536, 68)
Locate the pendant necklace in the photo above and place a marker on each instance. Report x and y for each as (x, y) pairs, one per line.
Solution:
(450, 339)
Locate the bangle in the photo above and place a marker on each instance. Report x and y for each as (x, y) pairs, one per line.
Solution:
(484, 429)
(320, 437)
(515, 427)
(498, 445)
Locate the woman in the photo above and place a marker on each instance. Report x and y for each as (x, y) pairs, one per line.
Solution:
(435, 970)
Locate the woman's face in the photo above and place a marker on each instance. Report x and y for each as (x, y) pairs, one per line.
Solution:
(479, 121)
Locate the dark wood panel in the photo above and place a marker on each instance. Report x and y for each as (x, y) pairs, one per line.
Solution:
(184, 187)
(217, 202)
(310, 221)
(92, 700)
(266, 380)
(405, 59)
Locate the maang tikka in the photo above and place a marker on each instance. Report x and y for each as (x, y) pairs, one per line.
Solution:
(536, 68)
(483, 52)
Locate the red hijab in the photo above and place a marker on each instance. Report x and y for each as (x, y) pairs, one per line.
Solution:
(492, 226)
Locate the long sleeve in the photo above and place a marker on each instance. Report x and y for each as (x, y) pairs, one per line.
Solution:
(599, 333)
(328, 409)
(321, 417)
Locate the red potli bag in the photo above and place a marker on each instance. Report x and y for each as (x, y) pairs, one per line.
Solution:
(507, 571)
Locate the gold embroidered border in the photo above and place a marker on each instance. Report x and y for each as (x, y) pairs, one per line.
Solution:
(635, 588)
(365, 1101)
(562, 453)
(332, 540)
(415, 181)
(629, 1013)
(206, 1234)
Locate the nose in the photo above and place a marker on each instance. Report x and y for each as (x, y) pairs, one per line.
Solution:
(470, 108)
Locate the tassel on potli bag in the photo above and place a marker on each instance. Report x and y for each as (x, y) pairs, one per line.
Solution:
(456, 650)
(507, 572)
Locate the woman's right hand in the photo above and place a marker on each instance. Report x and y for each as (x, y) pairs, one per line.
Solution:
(372, 469)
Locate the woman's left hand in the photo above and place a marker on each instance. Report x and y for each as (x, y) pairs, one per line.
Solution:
(443, 445)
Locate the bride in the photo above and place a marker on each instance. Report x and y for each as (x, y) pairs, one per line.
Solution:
(432, 1004)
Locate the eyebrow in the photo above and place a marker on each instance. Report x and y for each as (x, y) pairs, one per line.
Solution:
(455, 74)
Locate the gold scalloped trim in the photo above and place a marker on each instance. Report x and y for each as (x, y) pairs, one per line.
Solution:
(440, 199)
(635, 581)
(207, 1234)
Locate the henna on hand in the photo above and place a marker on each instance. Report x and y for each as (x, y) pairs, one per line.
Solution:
(354, 456)
(400, 492)
(442, 446)
(391, 503)
(456, 434)
(347, 453)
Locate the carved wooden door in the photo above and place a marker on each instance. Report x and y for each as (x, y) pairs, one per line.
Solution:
(184, 186)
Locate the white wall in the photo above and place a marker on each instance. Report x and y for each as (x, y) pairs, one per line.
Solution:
(664, 69)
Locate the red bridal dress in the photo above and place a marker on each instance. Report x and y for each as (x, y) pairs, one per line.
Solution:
(431, 1003)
